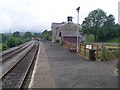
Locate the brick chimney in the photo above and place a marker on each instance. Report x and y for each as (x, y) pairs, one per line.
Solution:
(69, 18)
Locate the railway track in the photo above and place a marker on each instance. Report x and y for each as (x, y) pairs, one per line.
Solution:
(11, 53)
(15, 76)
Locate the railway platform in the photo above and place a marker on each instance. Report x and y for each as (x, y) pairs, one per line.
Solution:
(42, 76)
(57, 67)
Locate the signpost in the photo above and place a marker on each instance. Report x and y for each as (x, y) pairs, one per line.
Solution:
(89, 46)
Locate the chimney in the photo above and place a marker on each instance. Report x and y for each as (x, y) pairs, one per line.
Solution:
(69, 18)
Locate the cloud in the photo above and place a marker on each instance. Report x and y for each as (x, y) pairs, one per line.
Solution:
(39, 14)
(5, 21)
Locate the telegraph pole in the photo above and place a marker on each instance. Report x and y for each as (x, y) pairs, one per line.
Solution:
(78, 28)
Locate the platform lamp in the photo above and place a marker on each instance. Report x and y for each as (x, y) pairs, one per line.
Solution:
(78, 28)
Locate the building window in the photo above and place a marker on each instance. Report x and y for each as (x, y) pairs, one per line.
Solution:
(60, 34)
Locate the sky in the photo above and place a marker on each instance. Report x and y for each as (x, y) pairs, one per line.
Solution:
(38, 15)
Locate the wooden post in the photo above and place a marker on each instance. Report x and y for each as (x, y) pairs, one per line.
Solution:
(84, 49)
(97, 52)
(102, 50)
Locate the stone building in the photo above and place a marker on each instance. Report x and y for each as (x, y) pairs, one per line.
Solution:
(65, 31)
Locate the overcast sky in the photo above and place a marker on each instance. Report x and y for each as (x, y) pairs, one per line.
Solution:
(37, 15)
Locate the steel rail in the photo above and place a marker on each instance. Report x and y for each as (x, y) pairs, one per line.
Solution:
(13, 50)
(15, 63)
(2, 60)
(28, 69)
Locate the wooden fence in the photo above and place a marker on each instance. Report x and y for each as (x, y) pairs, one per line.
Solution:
(85, 51)
(82, 49)
(99, 48)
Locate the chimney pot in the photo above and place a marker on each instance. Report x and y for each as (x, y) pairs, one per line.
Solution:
(69, 18)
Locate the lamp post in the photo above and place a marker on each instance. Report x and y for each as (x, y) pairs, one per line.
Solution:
(78, 28)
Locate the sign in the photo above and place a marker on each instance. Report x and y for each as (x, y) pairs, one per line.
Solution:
(89, 46)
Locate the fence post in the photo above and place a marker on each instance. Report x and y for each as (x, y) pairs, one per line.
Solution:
(84, 49)
(97, 52)
(102, 50)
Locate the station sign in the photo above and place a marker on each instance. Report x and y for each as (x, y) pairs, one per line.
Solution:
(89, 46)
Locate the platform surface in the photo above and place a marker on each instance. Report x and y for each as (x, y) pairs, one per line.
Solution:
(57, 67)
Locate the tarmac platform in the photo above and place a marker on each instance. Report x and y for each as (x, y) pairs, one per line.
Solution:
(57, 67)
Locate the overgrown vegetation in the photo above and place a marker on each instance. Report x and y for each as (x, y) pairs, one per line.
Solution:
(110, 55)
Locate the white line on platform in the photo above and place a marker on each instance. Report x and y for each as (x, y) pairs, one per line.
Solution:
(34, 71)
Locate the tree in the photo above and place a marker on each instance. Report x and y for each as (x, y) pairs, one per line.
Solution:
(108, 29)
(46, 35)
(3, 38)
(11, 42)
(93, 23)
(16, 34)
(18, 41)
(27, 35)
(45, 32)
(4, 46)
(36, 35)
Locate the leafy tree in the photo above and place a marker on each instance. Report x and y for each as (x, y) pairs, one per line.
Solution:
(108, 29)
(27, 35)
(101, 26)
(93, 23)
(26, 40)
(16, 34)
(11, 42)
(46, 35)
(36, 35)
(18, 41)
(45, 32)
(3, 38)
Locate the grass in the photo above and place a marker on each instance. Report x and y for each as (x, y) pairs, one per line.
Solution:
(112, 41)
(91, 38)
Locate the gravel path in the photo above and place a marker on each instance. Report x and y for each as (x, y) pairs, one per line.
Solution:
(70, 70)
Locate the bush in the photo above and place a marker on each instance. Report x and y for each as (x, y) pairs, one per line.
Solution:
(18, 41)
(26, 40)
(90, 38)
(110, 55)
(4, 46)
(116, 52)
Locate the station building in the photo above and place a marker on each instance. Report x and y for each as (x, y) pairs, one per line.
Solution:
(66, 31)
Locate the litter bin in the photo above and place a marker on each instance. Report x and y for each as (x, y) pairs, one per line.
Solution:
(92, 55)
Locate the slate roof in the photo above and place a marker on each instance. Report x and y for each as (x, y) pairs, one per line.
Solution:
(55, 25)
(69, 33)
